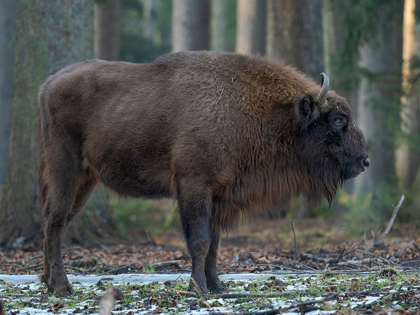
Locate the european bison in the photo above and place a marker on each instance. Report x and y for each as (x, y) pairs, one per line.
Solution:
(222, 133)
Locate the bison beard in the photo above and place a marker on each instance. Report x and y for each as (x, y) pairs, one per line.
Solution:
(221, 133)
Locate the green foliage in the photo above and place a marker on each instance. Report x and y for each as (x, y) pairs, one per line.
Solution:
(360, 217)
(229, 34)
(323, 210)
(364, 213)
(361, 22)
(145, 33)
(136, 216)
(101, 2)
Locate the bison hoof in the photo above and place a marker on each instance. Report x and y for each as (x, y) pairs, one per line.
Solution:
(198, 287)
(60, 288)
(44, 278)
(63, 290)
(217, 288)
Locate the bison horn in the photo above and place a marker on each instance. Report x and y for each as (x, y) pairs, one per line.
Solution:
(325, 83)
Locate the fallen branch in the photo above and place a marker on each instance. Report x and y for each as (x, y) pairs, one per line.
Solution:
(401, 251)
(250, 296)
(197, 290)
(328, 238)
(120, 270)
(34, 266)
(227, 296)
(150, 239)
(294, 237)
(166, 263)
(380, 243)
(301, 305)
(391, 222)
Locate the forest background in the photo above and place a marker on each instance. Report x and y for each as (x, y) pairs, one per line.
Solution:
(369, 48)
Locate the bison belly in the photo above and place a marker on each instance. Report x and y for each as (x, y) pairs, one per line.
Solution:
(131, 165)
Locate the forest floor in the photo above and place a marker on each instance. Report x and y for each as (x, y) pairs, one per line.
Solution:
(265, 270)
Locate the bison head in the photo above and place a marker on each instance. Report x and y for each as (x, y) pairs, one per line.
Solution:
(331, 146)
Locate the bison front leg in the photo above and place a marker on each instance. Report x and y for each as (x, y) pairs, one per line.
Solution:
(195, 216)
(213, 282)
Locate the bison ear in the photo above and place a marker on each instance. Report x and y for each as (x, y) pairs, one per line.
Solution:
(306, 110)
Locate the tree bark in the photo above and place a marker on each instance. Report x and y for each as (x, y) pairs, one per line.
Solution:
(107, 30)
(379, 100)
(7, 31)
(49, 36)
(408, 156)
(294, 34)
(251, 27)
(191, 25)
(223, 25)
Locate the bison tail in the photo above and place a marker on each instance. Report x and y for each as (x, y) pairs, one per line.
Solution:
(42, 128)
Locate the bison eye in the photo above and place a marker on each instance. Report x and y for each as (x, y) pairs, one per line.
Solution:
(337, 123)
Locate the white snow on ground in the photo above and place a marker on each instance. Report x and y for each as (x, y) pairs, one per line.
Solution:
(26, 297)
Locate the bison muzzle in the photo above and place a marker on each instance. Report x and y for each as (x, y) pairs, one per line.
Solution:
(221, 133)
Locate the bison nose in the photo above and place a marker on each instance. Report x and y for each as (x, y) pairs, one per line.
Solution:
(365, 162)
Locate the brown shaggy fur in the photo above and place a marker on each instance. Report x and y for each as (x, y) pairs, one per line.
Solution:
(221, 133)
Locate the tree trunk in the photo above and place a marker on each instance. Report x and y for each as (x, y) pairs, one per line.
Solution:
(107, 30)
(7, 31)
(190, 28)
(294, 34)
(251, 27)
(379, 99)
(223, 25)
(408, 156)
(42, 47)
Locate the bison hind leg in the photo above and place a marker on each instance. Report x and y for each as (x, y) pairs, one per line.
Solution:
(85, 188)
(68, 188)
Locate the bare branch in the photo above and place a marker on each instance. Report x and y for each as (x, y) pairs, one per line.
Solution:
(391, 222)
(294, 237)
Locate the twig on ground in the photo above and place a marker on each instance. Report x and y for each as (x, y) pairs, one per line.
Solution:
(297, 262)
(301, 305)
(34, 266)
(294, 237)
(329, 237)
(150, 239)
(167, 263)
(380, 243)
(10, 264)
(34, 257)
(379, 257)
(267, 312)
(120, 269)
(1, 309)
(341, 255)
(227, 296)
(186, 293)
(250, 296)
(401, 251)
(391, 222)
(317, 258)
(373, 243)
(197, 290)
